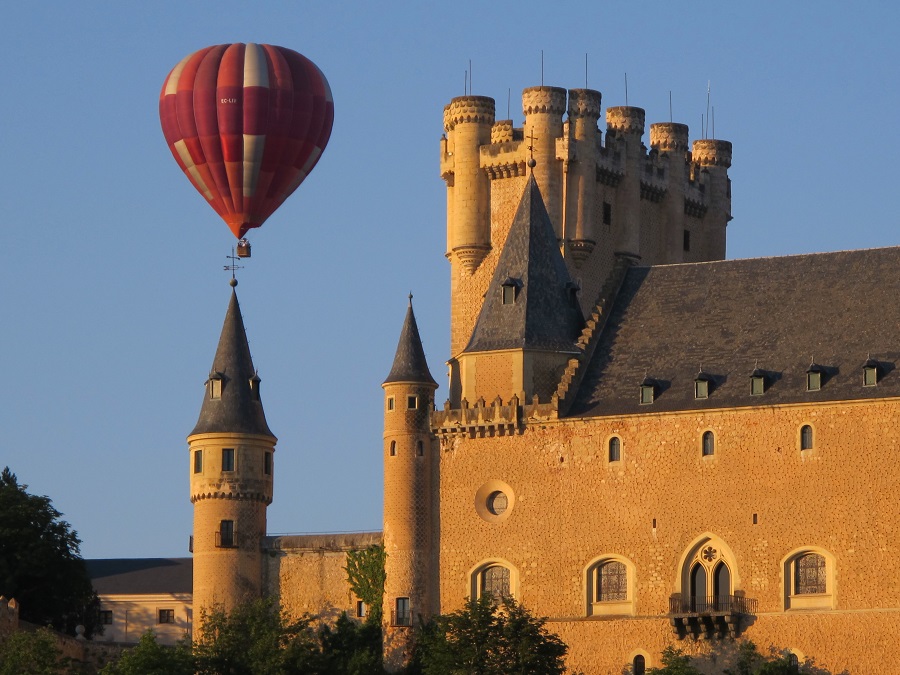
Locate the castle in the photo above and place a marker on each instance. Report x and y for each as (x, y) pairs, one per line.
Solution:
(643, 442)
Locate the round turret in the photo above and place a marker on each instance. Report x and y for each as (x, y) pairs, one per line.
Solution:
(544, 108)
(669, 137)
(502, 131)
(544, 100)
(625, 119)
(710, 152)
(469, 110)
(584, 103)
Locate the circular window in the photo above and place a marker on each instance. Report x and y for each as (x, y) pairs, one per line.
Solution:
(497, 503)
(494, 501)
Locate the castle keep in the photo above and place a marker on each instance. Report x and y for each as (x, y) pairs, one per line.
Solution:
(642, 441)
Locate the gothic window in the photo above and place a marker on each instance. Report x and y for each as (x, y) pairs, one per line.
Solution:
(495, 581)
(227, 459)
(806, 437)
(810, 574)
(612, 581)
(708, 444)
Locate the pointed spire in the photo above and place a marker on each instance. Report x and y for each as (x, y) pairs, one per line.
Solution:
(409, 361)
(231, 403)
(531, 302)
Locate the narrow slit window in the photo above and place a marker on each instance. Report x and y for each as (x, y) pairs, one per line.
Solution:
(420, 449)
(607, 213)
(686, 243)
(806, 437)
(393, 448)
(615, 449)
(198, 461)
(267, 463)
(390, 403)
(708, 444)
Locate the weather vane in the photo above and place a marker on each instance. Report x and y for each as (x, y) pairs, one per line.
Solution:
(233, 266)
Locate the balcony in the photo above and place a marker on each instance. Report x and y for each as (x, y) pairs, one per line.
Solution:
(402, 619)
(711, 617)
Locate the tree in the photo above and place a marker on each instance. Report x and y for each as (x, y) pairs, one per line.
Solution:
(365, 574)
(351, 648)
(30, 653)
(40, 561)
(151, 658)
(489, 637)
(256, 637)
(674, 663)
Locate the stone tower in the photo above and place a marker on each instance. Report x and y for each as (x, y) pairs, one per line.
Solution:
(606, 198)
(231, 467)
(410, 488)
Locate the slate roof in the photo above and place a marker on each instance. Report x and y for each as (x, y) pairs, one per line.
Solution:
(777, 315)
(141, 576)
(237, 410)
(409, 360)
(543, 316)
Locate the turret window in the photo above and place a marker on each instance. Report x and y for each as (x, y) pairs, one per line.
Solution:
(420, 449)
(607, 213)
(198, 461)
(402, 614)
(214, 385)
(254, 387)
(393, 448)
(686, 244)
(227, 459)
(267, 463)
(390, 403)
(412, 402)
(225, 535)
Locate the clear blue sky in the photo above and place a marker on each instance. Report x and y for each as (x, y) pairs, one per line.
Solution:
(111, 268)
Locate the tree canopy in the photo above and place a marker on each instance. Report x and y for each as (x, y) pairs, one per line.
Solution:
(40, 561)
(489, 637)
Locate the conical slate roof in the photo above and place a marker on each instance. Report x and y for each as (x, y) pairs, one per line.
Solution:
(545, 314)
(239, 408)
(409, 361)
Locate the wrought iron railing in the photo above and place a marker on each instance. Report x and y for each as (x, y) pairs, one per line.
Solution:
(713, 604)
(403, 619)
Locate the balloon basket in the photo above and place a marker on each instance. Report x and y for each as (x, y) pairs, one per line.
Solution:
(243, 249)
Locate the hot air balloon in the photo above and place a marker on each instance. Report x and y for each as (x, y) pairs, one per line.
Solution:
(246, 123)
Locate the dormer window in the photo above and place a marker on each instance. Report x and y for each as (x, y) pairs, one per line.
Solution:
(254, 387)
(572, 293)
(648, 391)
(757, 382)
(814, 377)
(702, 385)
(870, 373)
(214, 385)
(510, 290)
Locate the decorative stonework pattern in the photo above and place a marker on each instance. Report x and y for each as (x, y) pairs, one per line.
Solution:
(709, 152)
(544, 100)
(469, 109)
(626, 119)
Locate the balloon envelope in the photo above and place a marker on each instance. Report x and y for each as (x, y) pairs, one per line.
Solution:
(246, 123)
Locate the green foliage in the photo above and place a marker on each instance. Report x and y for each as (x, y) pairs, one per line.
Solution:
(40, 562)
(675, 662)
(365, 573)
(256, 637)
(151, 658)
(30, 653)
(488, 637)
(351, 648)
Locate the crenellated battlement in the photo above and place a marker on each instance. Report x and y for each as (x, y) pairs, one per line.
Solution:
(494, 419)
(604, 192)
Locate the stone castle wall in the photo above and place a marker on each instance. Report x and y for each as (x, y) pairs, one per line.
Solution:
(757, 500)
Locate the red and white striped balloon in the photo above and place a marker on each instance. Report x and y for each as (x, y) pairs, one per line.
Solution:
(246, 123)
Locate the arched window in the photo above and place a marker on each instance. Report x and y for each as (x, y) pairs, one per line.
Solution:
(615, 449)
(806, 437)
(809, 580)
(639, 665)
(709, 444)
(393, 448)
(495, 581)
(810, 575)
(612, 581)
(708, 578)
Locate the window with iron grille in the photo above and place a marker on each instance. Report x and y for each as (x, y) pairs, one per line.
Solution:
(495, 581)
(612, 581)
(810, 574)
